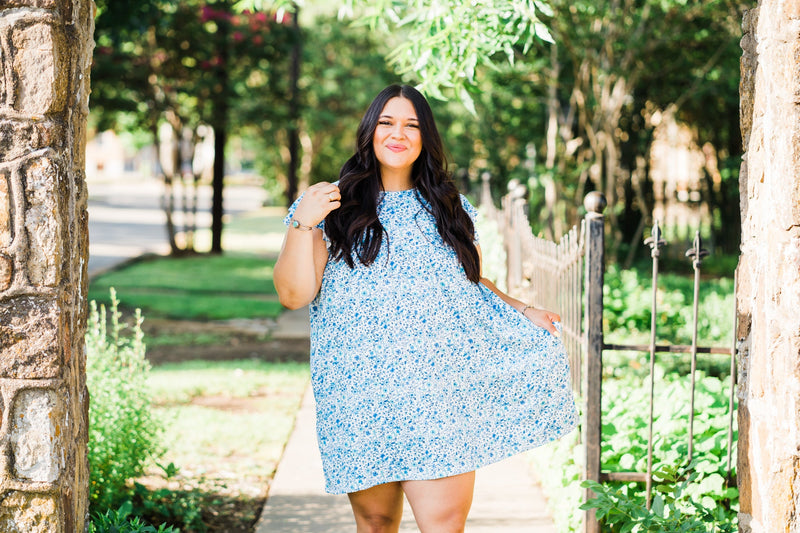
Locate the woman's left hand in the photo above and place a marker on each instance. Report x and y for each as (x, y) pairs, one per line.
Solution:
(544, 319)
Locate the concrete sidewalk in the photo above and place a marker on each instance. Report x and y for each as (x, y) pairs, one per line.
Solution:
(507, 500)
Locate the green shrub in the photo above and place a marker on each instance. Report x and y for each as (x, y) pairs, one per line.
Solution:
(123, 433)
(672, 508)
(120, 521)
(624, 448)
(627, 300)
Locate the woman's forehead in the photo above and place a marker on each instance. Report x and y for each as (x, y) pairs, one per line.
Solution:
(399, 107)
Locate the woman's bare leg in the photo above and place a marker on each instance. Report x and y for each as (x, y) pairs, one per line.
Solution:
(378, 509)
(441, 505)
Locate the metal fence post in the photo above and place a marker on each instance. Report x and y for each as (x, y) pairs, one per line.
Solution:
(595, 203)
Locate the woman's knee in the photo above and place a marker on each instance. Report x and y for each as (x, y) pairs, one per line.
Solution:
(378, 509)
(377, 522)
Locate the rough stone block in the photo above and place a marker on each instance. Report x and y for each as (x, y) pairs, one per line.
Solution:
(43, 222)
(5, 212)
(36, 428)
(43, 4)
(20, 138)
(3, 98)
(38, 67)
(6, 272)
(29, 338)
(29, 513)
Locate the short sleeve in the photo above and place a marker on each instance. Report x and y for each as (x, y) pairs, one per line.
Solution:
(288, 218)
(473, 215)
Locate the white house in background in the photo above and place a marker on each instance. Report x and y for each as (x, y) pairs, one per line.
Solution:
(109, 158)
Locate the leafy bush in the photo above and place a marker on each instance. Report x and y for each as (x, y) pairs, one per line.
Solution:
(624, 447)
(672, 507)
(627, 299)
(120, 521)
(123, 433)
(182, 507)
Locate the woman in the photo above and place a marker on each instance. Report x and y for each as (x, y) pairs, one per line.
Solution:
(422, 370)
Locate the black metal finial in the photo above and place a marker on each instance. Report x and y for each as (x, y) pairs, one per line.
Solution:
(655, 240)
(697, 252)
(595, 202)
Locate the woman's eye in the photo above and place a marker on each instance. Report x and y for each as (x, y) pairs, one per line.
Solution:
(413, 126)
(384, 123)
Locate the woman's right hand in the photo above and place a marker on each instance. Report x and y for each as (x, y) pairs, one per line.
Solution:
(318, 200)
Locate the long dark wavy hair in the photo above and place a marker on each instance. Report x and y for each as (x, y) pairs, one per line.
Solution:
(354, 230)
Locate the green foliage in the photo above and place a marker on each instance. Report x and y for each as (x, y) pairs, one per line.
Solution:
(624, 447)
(577, 114)
(447, 40)
(343, 68)
(673, 507)
(182, 507)
(628, 295)
(215, 287)
(123, 433)
(120, 521)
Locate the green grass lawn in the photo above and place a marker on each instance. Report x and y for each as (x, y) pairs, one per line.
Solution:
(199, 287)
(227, 421)
(237, 284)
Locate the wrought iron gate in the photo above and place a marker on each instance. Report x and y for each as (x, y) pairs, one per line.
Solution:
(568, 277)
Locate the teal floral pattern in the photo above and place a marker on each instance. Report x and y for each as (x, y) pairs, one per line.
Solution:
(417, 372)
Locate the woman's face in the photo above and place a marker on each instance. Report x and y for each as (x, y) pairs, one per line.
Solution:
(397, 141)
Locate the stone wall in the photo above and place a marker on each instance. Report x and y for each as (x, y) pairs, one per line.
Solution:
(45, 55)
(768, 294)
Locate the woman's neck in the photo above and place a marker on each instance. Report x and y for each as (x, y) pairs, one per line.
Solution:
(396, 181)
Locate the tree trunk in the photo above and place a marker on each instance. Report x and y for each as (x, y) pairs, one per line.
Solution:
(220, 126)
(294, 112)
(45, 58)
(768, 289)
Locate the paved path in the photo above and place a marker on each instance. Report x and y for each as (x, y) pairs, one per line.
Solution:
(507, 500)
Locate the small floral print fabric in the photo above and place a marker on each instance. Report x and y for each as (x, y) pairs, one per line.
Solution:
(417, 372)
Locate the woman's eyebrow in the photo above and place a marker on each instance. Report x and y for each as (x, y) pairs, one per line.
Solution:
(415, 119)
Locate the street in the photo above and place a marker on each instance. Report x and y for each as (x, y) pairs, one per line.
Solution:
(126, 219)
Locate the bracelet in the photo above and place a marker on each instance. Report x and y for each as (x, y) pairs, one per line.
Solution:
(299, 225)
(525, 308)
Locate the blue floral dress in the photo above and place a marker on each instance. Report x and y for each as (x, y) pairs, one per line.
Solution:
(417, 372)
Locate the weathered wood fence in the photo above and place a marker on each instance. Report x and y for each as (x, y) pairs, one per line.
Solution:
(568, 277)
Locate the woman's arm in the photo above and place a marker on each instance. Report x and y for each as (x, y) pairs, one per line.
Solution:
(301, 263)
(541, 317)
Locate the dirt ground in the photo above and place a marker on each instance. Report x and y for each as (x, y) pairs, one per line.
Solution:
(235, 506)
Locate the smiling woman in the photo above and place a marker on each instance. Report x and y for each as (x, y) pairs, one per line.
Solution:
(422, 370)
(397, 143)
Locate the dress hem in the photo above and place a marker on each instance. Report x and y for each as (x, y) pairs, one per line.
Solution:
(480, 464)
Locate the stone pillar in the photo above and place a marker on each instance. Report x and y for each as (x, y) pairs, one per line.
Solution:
(768, 294)
(45, 56)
